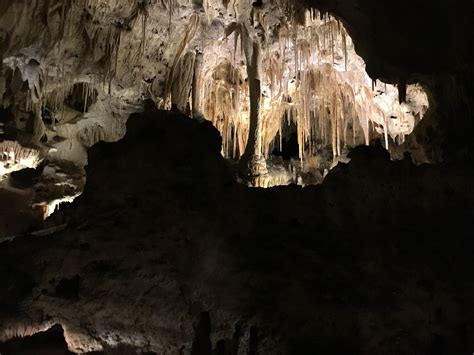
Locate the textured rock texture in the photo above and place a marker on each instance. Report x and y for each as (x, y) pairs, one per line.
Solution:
(171, 255)
(166, 253)
(251, 68)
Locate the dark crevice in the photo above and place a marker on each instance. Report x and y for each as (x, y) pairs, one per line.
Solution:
(253, 341)
(202, 336)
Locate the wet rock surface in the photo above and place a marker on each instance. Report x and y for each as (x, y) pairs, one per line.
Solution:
(165, 252)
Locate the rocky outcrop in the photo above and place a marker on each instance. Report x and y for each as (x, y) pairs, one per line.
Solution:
(171, 255)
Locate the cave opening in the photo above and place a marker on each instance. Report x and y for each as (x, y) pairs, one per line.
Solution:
(285, 144)
(81, 97)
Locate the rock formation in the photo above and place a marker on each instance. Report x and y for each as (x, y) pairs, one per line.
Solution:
(163, 112)
(258, 67)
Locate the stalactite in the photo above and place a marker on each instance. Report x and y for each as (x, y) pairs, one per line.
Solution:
(353, 130)
(385, 132)
(344, 43)
(182, 81)
(295, 46)
(331, 33)
(170, 6)
(222, 92)
(85, 94)
(188, 36)
(338, 126)
(367, 132)
(90, 135)
(2, 77)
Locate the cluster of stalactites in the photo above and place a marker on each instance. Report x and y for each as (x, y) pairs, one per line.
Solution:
(322, 105)
(96, 32)
(73, 38)
(225, 106)
(13, 151)
(298, 84)
(13, 157)
(310, 72)
(20, 329)
(313, 77)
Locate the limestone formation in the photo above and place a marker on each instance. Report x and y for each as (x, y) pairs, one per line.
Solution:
(249, 68)
(142, 148)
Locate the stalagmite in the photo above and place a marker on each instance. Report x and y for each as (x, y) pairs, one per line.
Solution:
(252, 162)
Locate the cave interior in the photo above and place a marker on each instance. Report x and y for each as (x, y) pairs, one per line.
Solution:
(226, 177)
